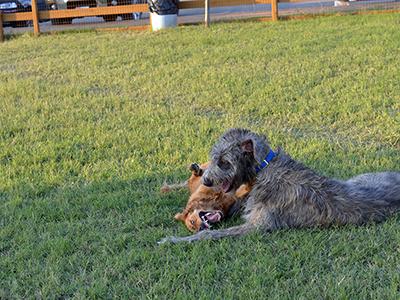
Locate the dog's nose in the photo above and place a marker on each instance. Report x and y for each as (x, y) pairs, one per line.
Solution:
(207, 182)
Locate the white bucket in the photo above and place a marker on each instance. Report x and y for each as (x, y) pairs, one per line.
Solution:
(160, 22)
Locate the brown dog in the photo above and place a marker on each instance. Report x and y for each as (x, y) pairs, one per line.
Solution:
(206, 206)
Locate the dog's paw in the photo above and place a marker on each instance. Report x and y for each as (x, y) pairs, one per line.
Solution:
(165, 189)
(196, 169)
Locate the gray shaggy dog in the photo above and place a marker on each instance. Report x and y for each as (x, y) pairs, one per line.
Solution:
(287, 194)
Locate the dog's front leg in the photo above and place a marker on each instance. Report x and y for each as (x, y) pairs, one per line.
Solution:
(166, 188)
(210, 234)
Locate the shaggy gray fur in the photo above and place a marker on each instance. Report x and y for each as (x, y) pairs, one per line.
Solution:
(286, 194)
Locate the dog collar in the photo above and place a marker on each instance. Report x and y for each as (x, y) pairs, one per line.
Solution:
(270, 156)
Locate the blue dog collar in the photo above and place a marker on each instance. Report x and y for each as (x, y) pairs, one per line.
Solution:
(270, 156)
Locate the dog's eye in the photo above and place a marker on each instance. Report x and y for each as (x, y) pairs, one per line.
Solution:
(222, 164)
(192, 222)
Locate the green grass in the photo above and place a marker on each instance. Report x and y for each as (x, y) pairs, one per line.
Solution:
(93, 123)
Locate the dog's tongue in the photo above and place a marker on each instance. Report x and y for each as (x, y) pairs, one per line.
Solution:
(225, 186)
(213, 217)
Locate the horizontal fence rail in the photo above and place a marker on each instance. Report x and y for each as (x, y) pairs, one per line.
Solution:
(220, 3)
(122, 9)
(82, 12)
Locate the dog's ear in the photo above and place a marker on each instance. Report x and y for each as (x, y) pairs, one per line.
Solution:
(257, 145)
(180, 217)
(248, 146)
(257, 149)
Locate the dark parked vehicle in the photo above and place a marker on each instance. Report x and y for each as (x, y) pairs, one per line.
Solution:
(73, 4)
(14, 6)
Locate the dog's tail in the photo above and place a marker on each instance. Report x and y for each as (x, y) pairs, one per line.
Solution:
(384, 186)
(211, 234)
(377, 193)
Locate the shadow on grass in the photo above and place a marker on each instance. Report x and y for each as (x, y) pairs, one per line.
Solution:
(135, 207)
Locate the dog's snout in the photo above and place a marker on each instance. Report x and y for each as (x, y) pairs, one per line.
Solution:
(207, 181)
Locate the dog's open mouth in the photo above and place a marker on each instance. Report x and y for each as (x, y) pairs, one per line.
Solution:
(226, 186)
(210, 217)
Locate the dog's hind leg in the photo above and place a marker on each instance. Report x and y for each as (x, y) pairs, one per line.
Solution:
(210, 234)
(175, 186)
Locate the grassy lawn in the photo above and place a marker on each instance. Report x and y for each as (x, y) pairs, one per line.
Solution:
(93, 123)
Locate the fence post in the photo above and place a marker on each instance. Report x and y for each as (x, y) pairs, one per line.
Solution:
(207, 13)
(274, 10)
(1, 28)
(35, 18)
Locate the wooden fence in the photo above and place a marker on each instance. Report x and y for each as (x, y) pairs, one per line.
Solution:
(35, 15)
